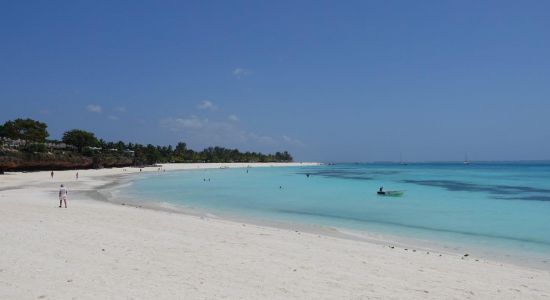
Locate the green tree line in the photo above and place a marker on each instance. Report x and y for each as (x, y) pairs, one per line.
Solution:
(34, 133)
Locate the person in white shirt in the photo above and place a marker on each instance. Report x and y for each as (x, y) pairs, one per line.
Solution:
(63, 196)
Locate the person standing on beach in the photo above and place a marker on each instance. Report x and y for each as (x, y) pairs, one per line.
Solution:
(76, 175)
(63, 196)
(51, 174)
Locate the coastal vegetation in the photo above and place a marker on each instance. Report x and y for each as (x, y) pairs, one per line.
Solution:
(24, 146)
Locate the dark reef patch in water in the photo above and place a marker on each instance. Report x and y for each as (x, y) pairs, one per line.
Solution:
(339, 174)
(343, 173)
(384, 172)
(459, 186)
(529, 198)
(332, 172)
(501, 192)
(525, 189)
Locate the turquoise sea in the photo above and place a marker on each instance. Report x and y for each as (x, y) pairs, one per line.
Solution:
(501, 207)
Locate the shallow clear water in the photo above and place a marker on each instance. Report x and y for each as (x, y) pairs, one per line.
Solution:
(506, 206)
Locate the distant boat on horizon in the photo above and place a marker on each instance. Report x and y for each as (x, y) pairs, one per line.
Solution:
(466, 161)
(401, 162)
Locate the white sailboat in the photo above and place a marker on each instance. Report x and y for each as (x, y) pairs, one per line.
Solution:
(466, 161)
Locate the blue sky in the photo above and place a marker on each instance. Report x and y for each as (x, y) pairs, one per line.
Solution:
(326, 80)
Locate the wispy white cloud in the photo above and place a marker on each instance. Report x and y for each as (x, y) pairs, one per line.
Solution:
(241, 72)
(228, 132)
(206, 104)
(292, 141)
(216, 132)
(181, 124)
(94, 108)
(112, 118)
(120, 109)
(264, 139)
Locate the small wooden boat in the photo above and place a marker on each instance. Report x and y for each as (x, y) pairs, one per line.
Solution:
(390, 193)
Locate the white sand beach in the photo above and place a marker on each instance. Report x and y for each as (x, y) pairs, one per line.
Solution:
(101, 250)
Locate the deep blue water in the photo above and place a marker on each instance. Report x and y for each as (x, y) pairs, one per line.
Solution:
(483, 205)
